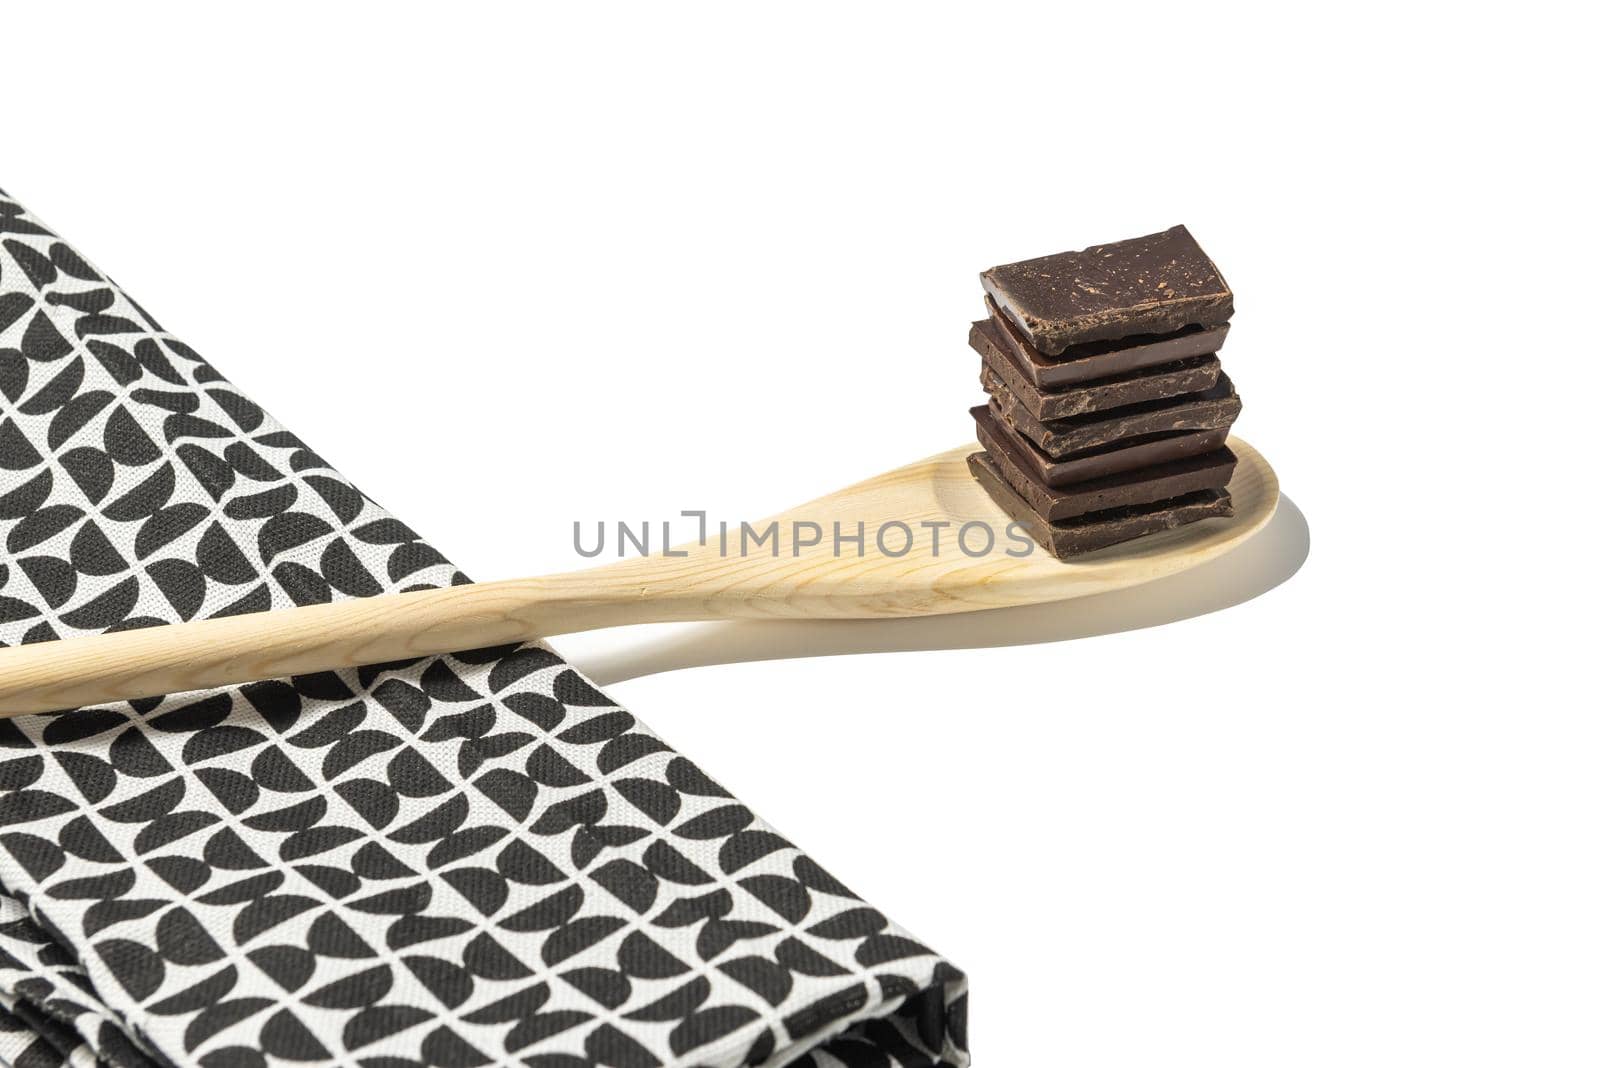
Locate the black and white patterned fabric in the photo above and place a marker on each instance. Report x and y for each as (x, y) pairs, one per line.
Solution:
(458, 861)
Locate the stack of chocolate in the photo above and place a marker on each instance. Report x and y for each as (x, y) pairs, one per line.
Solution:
(1108, 410)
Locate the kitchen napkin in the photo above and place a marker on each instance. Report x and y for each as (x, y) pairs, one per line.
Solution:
(456, 861)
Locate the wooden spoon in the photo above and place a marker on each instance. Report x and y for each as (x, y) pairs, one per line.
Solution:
(702, 584)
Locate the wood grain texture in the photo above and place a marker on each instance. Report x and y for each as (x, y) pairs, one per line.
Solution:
(702, 584)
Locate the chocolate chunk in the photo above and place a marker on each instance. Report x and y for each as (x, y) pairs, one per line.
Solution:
(1102, 359)
(1193, 375)
(1154, 284)
(1210, 471)
(1215, 409)
(1127, 455)
(1097, 530)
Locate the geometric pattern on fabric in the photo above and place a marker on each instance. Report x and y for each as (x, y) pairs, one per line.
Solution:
(454, 861)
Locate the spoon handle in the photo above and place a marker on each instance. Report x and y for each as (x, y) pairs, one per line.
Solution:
(91, 670)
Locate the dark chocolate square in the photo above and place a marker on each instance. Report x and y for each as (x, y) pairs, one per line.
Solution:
(1158, 482)
(1154, 284)
(1214, 409)
(1130, 454)
(1102, 359)
(1097, 530)
(1194, 375)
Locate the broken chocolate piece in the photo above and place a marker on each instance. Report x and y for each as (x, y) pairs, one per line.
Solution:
(1102, 359)
(1214, 409)
(1097, 530)
(1154, 284)
(1127, 455)
(1160, 482)
(1193, 375)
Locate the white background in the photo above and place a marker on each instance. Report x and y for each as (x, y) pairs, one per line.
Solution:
(509, 267)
